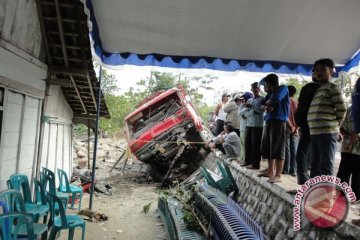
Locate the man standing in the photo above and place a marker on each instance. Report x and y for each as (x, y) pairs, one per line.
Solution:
(231, 110)
(326, 114)
(273, 141)
(220, 114)
(356, 106)
(291, 136)
(350, 155)
(303, 162)
(254, 127)
(243, 122)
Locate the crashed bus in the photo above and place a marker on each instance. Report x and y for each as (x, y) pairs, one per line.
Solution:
(166, 133)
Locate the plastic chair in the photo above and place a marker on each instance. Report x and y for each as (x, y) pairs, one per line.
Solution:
(14, 202)
(11, 223)
(20, 182)
(50, 178)
(47, 178)
(63, 221)
(226, 184)
(67, 188)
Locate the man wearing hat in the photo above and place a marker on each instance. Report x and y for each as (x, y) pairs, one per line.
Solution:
(243, 121)
(220, 114)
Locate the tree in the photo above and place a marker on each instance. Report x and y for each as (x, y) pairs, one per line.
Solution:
(347, 82)
(297, 83)
(108, 81)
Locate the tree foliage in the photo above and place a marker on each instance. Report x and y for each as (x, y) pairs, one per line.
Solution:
(297, 83)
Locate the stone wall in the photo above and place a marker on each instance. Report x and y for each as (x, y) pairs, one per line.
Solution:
(272, 207)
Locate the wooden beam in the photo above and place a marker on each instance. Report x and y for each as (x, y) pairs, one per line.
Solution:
(84, 116)
(61, 32)
(43, 31)
(60, 82)
(81, 35)
(78, 93)
(66, 34)
(68, 59)
(67, 20)
(67, 46)
(92, 91)
(69, 71)
(61, 4)
(67, 83)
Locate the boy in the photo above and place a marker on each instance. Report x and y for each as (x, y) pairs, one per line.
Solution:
(326, 113)
(276, 117)
(291, 136)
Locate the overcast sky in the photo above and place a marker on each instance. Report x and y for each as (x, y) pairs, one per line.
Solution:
(229, 82)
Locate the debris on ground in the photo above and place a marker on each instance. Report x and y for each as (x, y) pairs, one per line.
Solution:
(103, 188)
(146, 208)
(100, 217)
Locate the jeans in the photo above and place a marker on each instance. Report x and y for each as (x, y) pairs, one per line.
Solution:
(302, 156)
(290, 153)
(323, 148)
(350, 167)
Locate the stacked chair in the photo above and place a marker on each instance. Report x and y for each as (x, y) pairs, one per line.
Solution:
(20, 212)
(15, 221)
(66, 187)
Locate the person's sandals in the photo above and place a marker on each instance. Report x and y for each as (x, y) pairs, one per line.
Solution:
(264, 170)
(263, 175)
(274, 180)
(252, 167)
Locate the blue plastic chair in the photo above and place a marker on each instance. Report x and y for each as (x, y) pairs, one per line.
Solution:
(63, 221)
(14, 203)
(20, 182)
(47, 178)
(50, 178)
(67, 188)
(11, 224)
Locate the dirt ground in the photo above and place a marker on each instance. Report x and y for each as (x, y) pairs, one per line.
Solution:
(124, 208)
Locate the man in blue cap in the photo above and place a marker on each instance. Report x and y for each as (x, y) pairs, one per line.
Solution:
(254, 128)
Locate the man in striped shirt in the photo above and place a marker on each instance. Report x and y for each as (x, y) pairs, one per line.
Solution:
(325, 116)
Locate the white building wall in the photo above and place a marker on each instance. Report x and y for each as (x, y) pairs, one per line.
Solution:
(57, 144)
(22, 75)
(20, 131)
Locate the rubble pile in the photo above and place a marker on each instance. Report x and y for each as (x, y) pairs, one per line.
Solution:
(108, 152)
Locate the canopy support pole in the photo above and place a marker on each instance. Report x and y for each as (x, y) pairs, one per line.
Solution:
(95, 141)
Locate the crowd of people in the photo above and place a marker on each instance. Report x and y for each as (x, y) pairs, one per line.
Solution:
(295, 137)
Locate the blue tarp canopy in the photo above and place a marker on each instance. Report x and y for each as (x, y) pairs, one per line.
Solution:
(282, 36)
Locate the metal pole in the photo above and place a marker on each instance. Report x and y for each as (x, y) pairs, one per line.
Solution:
(95, 142)
(89, 134)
